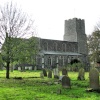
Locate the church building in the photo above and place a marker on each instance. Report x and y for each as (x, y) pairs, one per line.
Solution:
(53, 53)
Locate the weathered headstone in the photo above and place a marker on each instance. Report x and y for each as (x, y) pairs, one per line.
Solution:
(49, 74)
(26, 68)
(81, 75)
(56, 73)
(23, 68)
(58, 91)
(94, 79)
(30, 68)
(44, 72)
(19, 68)
(60, 77)
(35, 68)
(66, 82)
(64, 71)
(41, 75)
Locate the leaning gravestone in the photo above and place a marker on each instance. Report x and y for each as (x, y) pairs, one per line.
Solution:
(49, 74)
(81, 75)
(94, 79)
(44, 72)
(64, 71)
(56, 73)
(66, 82)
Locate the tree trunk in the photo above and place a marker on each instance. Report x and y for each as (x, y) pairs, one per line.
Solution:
(8, 42)
(7, 70)
(12, 67)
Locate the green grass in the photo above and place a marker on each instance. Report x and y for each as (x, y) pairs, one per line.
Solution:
(30, 88)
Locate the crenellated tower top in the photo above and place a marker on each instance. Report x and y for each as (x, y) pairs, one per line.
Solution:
(75, 32)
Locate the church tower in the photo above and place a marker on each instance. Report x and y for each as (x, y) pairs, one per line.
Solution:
(75, 32)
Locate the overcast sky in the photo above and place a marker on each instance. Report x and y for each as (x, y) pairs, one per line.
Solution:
(49, 15)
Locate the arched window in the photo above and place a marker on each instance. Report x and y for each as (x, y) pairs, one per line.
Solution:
(68, 47)
(55, 46)
(74, 48)
(63, 47)
(45, 46)
(49, 61)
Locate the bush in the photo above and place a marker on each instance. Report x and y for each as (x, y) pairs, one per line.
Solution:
(75, 66)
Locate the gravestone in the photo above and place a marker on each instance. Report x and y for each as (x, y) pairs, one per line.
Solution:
(44, 72)
(94, 79)
(60, 77)
(49, 74)
(19, 68)
(30, 68)
(64, 71)
(35, 68)
(81, 75)
(41, 75)
(26, 68)
(66, 82)
(58, 91)
(56, 73)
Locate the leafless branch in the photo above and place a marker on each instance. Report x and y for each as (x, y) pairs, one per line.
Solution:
(14, 22)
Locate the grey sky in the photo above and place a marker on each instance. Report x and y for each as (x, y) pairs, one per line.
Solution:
(49, 15)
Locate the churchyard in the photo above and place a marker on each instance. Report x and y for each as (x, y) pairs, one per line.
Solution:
(31, 85)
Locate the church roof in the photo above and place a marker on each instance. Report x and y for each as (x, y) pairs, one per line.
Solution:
(59, 53)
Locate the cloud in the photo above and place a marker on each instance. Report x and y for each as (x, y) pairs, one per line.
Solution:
(49, 15)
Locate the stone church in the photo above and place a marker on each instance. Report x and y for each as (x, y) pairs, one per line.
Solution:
(53, 53)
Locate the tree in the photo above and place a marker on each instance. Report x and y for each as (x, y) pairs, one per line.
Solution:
(94, 46)
(13, 24)
(26, 50)
(1, 62)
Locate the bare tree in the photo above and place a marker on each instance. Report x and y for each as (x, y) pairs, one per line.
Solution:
(13, 24)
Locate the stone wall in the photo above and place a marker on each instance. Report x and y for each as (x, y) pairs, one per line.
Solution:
(74, 43)
(75, 32)
(57, 45)
(70, 30)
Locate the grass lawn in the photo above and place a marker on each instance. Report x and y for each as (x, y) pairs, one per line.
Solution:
(30, 88)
